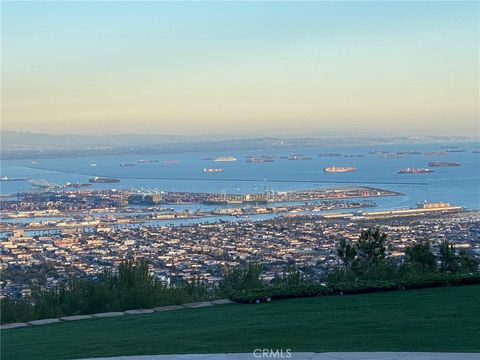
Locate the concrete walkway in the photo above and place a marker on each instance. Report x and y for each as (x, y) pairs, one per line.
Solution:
(194, 305)
(308, 356)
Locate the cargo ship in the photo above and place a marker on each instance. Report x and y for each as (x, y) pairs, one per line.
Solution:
(415, 171)
(329, 154)
(75, 185)
(335, 169)
(98, 179)
(212, 170)
(443, 164)
(6, 178)
(353, 155)
(436, 153)
(259, 159)
(126, 164)
(225, 159)
(147, 161)
(170, 162)
(299, 157)
(454, 150)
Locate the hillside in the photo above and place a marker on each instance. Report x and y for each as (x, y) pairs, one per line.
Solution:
(439, 319)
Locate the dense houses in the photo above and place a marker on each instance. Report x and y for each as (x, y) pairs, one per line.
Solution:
(205, 250)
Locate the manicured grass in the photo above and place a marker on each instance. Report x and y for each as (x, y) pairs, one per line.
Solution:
(439, 319)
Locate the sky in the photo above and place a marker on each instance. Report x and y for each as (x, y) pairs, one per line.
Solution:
(246, 68)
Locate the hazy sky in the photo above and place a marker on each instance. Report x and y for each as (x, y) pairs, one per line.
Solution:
(241, 67)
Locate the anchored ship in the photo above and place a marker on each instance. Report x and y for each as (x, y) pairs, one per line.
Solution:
(328, 154)
(225, 158)
(6, 178)
(299, 157)
(415, 171)
(209, 170)
(75, 185)
(259, 159)
(335, 169)
(443, 164)
(170, 162)
(436, 153)
(98, 179)
(126, 164)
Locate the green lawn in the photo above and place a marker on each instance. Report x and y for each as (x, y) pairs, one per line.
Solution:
(440, 319)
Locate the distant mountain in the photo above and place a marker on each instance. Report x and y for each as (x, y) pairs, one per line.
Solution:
(15, 138)
(21, 145)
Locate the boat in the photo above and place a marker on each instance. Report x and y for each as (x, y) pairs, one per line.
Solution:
(93, 164)
(126, 164)
(415, 171)
(443, 164)
(299, 157)
(225, 158)
(436, 153)
(212, 170)
(147, 161)
(353, 155)
(329, 154)
(75, 185)
(170, 162)
(454, 150)
(335, 169)
(259, 159)
(98, 179)
(6, 178)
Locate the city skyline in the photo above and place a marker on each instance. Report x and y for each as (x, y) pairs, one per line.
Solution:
(241, 68)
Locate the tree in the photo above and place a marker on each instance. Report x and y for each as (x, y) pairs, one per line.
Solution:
(466, 263)
(371, 247)
(242, 277)
(346, 252)
(447, 257)
(420, 257)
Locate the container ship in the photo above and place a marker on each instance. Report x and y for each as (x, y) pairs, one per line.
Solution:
(335, 169)
(299, 157)
(98, 179)
(225, 159)
(329, 154)
(436, 153)
(75, 185)
(443, 164)
(6, 178)
(353, 155)
(415, 171)
(209, 170)
(259, 159)
(126, 164)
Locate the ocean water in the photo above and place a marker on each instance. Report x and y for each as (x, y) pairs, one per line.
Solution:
(457, 185)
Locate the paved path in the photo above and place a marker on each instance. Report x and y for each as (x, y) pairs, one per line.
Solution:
(309, 356)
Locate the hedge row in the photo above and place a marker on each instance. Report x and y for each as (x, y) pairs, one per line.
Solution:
(353, 287)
